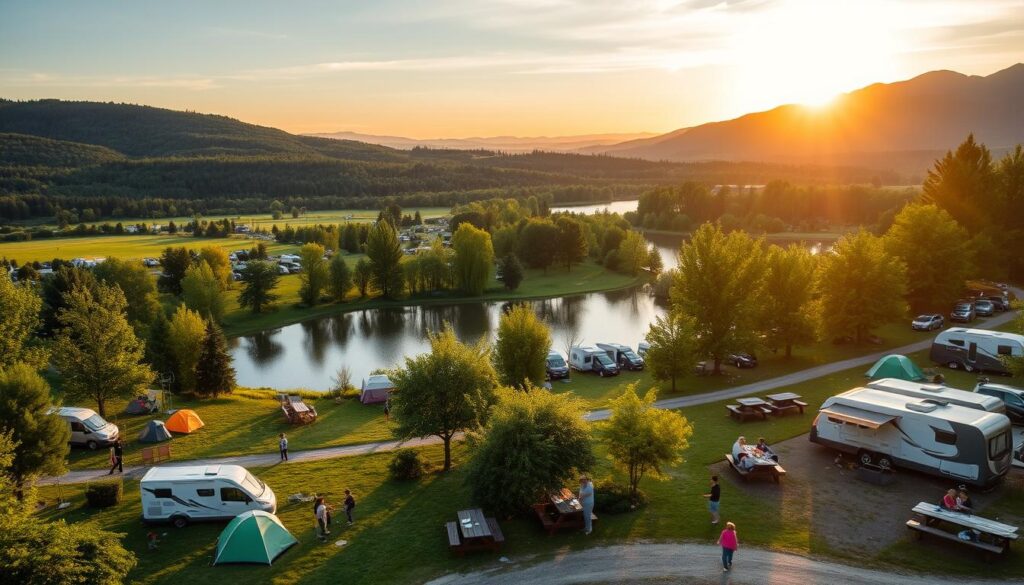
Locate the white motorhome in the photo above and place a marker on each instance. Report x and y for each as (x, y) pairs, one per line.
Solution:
(942, 439)
(590, 359)
(197, 493)
(976, 349)
(87, 427)
(940, 394)
(622, 355)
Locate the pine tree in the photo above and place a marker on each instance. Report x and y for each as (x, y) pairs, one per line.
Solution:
(214, 373)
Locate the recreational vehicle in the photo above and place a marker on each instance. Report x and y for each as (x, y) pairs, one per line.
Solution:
(942, 439)
(555, 366)
(939, 394)
(622, 355)
(87, 427)
(591, 359)
(197, 493)
(976, 349)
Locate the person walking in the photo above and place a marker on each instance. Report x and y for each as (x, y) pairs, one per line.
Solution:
(282, 444)
(350, 504)
(387, 409)
(714, 496)
(116, 457)
(586, 498)
(321, 519)
(729, 543)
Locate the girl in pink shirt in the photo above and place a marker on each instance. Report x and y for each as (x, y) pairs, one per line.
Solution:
(729, 544)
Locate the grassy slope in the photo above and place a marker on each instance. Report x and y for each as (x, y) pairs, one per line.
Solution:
(398, 537)
(120, 247)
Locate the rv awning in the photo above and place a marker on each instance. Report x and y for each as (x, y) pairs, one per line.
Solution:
(858, 416)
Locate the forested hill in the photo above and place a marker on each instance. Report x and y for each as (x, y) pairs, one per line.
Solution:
(130, 159)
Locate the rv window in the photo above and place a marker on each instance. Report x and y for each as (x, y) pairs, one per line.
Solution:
(586, 360)
(835, 421)
(959, 342)
(77, 427)
(998, 445)
(162, 493)
(1004, 350)
(1013, 399)
(945, 437)
(205, 493)
(233, 495)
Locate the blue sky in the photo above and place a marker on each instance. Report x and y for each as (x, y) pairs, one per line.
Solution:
(464, 68)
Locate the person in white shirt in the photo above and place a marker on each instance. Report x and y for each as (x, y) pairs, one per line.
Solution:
(283, 446)
(740, 454)
(321, 519)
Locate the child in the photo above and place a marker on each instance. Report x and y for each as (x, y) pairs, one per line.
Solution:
(283, 446)
(152, 540)
(350, 504)
(713, 498)
(729, 543)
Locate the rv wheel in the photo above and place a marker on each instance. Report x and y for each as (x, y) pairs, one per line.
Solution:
(865, 458)
(601, 373)
(884, 462)
(179, 521)
(92, 445)
(968, 368)
(953, 365)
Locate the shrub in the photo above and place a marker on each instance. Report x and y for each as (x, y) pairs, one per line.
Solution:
(406, 465)
(104, 494)
(613, 498)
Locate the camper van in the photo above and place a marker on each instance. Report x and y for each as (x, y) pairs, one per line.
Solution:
(555, 367)
(976, 349)
(622, 355)
(942, 439)
(180, 495)
(87, 427)
(591, 359)
(939, 394)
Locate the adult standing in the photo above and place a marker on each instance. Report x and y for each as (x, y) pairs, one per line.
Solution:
(282, 445)
(116, 457)
(586, 498)
(387, 409)
(321, 519)
(350, 504)
(714, 496)
(729, 542)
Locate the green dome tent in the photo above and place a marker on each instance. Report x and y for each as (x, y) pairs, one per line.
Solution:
(253, 537)
(895, 366)
(154, 432)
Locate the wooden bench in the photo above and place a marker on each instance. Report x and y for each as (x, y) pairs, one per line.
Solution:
(499, 536)
(922, 529)
(801, 405)
(457, 545)
(454, 541)
(740, 414)
(776, 472)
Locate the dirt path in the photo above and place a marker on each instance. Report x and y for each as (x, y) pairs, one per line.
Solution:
(648, 564)
(266, 459)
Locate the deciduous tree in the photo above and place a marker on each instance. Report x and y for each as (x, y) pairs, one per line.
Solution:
(340, 278)
(219, 262)
(511, 272)
(521, 348)
(138, 286)
(632, 254)
(443, 392)
(363, 275)
(786, 305)
(538, 243)
(931, 244)
(174, 262)
(19, 319)
(572, 241)
(474, 258)
(187, 332)
(202, 292)
(315, 273)
(384, 251)
(671, 352)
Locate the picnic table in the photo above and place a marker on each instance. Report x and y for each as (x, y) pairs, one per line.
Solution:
(473, 531)
(763, 466)
(785, 401)
(297, 411)
(752, 407)
(561, 511)
(992, 537)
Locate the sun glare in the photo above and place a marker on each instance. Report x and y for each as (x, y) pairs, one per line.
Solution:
(809, 51)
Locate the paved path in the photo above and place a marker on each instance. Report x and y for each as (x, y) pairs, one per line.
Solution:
(642, 564)
(266, 459)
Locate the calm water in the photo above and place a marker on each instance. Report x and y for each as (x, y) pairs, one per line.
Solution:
(619, 207)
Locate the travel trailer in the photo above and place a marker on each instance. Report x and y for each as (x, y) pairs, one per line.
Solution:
(623, 355)
(976, 349)
(180, 495)
(940, 394)
(889, 430)
(87, 427)
(591, 359)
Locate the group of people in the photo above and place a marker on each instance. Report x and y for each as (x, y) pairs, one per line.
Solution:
(958, 500)
(746, 456)
(322, 513)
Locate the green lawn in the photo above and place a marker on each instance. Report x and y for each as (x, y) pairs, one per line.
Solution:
(398, 537)
(144, 246)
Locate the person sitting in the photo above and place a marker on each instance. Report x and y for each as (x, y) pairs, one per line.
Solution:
(963, 500)
(763, 447)
(741, 455)
(949, 501)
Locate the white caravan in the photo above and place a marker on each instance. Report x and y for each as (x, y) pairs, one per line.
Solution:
(976, 349)
(939, 394)
(87, 427)
(590, 359)
(888, 429)
(195, 493)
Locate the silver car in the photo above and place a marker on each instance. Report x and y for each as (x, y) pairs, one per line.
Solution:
(928, 322)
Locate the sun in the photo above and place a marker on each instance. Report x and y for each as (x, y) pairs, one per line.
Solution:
(809, 51)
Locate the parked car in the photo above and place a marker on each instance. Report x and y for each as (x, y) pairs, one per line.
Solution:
(282, 269)
(963, 312)
(1000, 302)
(1012, 397)
(984, 308)
(556, 367)
(742, 360)
(151, 262)
(928, 322)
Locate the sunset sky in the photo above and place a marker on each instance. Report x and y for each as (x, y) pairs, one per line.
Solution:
(455, 68)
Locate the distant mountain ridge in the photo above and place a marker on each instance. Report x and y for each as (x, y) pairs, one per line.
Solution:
(906, 122)
(511, 144)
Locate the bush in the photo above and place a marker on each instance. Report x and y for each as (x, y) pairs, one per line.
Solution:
(104, 494)
(406, 465)
(613, 498)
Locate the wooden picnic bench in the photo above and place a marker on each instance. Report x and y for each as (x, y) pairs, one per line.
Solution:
(741, 413)
(561, 512)
(296, 411)
(784, 402)
(993, 540)
(474, 532)
(774, 471)
(151, 455)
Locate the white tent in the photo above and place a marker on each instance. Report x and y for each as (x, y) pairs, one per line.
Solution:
(375, 389)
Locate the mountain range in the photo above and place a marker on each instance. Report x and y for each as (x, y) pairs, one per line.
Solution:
(499, 143)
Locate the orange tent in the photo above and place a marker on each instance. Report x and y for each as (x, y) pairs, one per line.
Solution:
(184, 421)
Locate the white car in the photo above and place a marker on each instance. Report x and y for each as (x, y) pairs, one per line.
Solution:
(281, 269)
(928, 322)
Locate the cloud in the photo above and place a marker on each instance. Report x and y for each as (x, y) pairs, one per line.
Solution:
(18, 78)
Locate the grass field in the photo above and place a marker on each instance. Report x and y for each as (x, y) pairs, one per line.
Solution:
(144, 246)
(398, 536)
